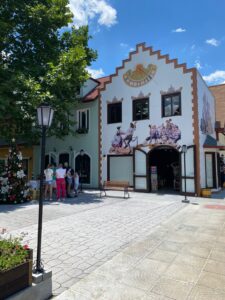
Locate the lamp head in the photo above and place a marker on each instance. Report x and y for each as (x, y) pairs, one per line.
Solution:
(81, 152)
(184, 149)
(45, 115)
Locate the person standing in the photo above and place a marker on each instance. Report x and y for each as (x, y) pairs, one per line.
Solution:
(48, 181)
(60, 182)
(69, 181)
(76, 183)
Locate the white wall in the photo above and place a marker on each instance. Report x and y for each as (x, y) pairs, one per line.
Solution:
(88, 86)
(165, 77)
(205, 96)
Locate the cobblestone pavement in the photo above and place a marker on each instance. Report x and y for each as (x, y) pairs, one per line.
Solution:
(83, 233)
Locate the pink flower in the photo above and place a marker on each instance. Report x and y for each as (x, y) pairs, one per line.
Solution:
(26, 247)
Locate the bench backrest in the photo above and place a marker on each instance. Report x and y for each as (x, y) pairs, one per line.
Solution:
(114, 183)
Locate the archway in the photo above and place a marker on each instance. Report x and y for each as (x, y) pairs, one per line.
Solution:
(83, 167)
(164, 169)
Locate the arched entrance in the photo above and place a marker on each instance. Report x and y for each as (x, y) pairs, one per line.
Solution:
(83, 167)
(164, 169)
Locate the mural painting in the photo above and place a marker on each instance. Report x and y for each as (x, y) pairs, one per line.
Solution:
(124, 141)
(166, 134)
(206, 120)
(140, 75)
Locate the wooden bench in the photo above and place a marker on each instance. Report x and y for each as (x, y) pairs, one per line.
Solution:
(115, 185)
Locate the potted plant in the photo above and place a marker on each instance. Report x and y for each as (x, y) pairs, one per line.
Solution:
(82, 130)
(15, 266)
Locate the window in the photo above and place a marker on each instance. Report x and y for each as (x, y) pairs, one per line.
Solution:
(83, 120)
(64, 158)
(140, 109)
(114, 113)
(25, 165)
(171, 105)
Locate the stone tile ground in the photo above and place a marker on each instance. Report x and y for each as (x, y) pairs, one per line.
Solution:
(182, 259)
(84, 233)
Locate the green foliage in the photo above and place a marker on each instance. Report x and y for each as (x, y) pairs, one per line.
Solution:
(12, 253)
(41, 60)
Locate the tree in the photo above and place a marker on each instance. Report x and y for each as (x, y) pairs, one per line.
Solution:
(13, 187)
(41, 60)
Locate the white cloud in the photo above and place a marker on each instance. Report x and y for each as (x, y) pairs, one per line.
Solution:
(198, 64)
(131, 49)
(216, 77)
(95, 73)
(180, 29)
(213, 42)
(86, 10)
(123, 45)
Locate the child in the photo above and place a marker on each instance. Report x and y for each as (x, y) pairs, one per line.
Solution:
(76, 183)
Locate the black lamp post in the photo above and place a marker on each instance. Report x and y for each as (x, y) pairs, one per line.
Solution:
(184, 151)
(81, 169)
(45, 115)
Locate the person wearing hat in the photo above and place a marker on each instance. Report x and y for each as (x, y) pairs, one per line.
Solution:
(129, 134)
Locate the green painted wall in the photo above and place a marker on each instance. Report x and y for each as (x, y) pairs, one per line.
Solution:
(88, 142)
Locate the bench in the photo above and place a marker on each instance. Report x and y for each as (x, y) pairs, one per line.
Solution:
(115, 185)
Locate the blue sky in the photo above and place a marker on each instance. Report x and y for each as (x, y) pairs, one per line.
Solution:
(191, 31)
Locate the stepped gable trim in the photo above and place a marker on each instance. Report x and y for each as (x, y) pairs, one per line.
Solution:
(151, 52)
(195, 126)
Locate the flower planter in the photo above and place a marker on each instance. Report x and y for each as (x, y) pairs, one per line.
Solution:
(16, 279)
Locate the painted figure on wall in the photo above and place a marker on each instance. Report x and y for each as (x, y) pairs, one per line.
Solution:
(167, 133)
(124, 141)
(206, 121)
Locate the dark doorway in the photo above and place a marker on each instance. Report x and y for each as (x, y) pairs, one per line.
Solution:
(64, 158)
(167, 162)
(83, 167)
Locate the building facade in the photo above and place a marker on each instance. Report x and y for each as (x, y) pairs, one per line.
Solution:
(79, 151)
(148, 110)
(219, 94)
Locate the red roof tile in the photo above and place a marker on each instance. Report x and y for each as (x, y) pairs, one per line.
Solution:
(92, 95)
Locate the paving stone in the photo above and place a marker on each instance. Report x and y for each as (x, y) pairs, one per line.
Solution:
(191, 260)
(214, 266)
(162, 255)
(182, 272)
(212, 280)
(205, 293)
(172, 288)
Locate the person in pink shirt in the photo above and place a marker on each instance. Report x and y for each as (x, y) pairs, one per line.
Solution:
(60, 182)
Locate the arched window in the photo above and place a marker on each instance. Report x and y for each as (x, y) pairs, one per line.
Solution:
(83, 167)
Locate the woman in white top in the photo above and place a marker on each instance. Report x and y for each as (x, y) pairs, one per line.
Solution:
(48, 181)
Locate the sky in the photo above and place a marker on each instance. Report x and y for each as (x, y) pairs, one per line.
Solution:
(192, 31)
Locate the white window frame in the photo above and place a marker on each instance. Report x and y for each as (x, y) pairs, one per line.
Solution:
(87, 119)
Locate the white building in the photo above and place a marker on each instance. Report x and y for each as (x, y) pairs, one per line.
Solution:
(149, 108)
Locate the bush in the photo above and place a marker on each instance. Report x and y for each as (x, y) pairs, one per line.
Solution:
(12, 253)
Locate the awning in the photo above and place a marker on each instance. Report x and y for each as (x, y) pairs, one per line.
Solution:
(211, 142)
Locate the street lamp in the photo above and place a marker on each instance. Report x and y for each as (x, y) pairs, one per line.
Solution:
(81, 169)
(45, 115)
(184, 151)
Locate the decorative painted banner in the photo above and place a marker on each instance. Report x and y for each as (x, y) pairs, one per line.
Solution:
(206, 120)
(140, 76)
(166, 134)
